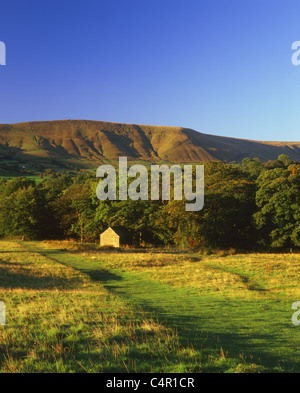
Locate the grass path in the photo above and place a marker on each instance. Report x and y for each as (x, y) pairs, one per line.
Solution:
(61, 320)
(223, 328)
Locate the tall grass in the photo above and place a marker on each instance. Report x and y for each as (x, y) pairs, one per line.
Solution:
(89, 310)
(59, 320)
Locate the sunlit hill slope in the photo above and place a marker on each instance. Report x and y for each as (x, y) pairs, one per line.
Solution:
(94, 142)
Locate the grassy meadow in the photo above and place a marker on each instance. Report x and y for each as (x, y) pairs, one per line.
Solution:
(93, 310)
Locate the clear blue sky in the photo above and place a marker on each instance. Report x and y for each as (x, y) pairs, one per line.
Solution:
(218, 66)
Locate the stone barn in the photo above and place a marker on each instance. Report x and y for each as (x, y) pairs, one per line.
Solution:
(115, 237)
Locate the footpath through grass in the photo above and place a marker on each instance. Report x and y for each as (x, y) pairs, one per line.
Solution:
(61, 320)
(227, 314)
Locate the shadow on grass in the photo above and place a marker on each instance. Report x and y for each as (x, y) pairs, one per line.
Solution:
(23, 281)
(208, 338)
(185, 311)
(101, 275)
(15, 276)
(98, 274)
(248, 281)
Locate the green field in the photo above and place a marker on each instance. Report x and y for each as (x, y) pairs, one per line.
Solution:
(107, 311)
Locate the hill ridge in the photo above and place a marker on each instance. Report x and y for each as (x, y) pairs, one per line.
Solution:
(94, 142)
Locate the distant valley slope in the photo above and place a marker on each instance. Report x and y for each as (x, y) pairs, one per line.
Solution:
(95, 142)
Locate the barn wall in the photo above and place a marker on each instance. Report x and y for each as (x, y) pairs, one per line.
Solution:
(109, 239)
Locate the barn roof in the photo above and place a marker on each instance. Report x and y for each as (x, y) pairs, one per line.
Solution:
(120, 231)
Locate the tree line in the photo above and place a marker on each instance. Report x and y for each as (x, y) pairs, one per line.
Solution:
(252, 205)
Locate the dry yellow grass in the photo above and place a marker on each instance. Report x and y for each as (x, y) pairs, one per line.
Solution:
(238, 306)
(58, 319)
(241, 275)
